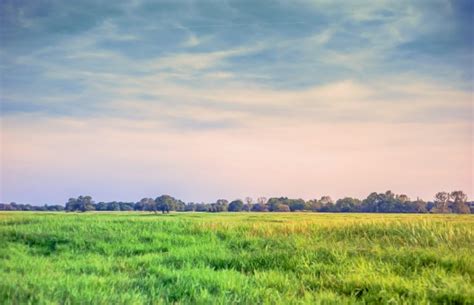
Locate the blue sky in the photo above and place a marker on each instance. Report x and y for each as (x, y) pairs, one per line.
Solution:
(209, 99)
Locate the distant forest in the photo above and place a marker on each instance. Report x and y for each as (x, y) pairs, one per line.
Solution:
(388, 202)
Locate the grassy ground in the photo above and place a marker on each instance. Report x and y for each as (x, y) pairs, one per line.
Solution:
(292, 258)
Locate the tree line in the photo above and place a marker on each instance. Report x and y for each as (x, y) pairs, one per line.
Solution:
(388, 202)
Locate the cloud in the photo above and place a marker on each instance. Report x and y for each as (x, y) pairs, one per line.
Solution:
(187, 63)
(192, 41)
(334, 96)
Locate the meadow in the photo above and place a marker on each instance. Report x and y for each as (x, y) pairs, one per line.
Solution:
(235, 258)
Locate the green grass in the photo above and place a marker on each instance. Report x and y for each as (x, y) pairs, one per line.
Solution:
(248, 258)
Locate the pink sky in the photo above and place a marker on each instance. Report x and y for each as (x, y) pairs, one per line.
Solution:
(50, 159)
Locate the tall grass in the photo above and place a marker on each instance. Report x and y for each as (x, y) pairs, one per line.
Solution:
(248, 258)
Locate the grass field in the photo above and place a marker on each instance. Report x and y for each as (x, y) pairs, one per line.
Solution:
(183, 258)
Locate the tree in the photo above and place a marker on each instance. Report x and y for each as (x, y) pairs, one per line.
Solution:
(82, 204)
(179, 205)
(202, 207)
(382, 203)
(71, 205)
(85, 203)
(56, 207)
(222, 205)
(101, 206)
(402, 198)
(442, 203)
(236, 206)
(402, 204)
(313, 205)
(274, 202)
(166, 203)
(370, 204)
(260, 207)
(113, 206)
(326, 204)
(146, 204)
(387, 202)
(190, 207)
(248, 206)
(419, 206)
(347, 204)
(282, 208)
(459, 204)
(296, 204)
(126, 206)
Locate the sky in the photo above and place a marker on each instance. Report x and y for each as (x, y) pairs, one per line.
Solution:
(227, 99)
